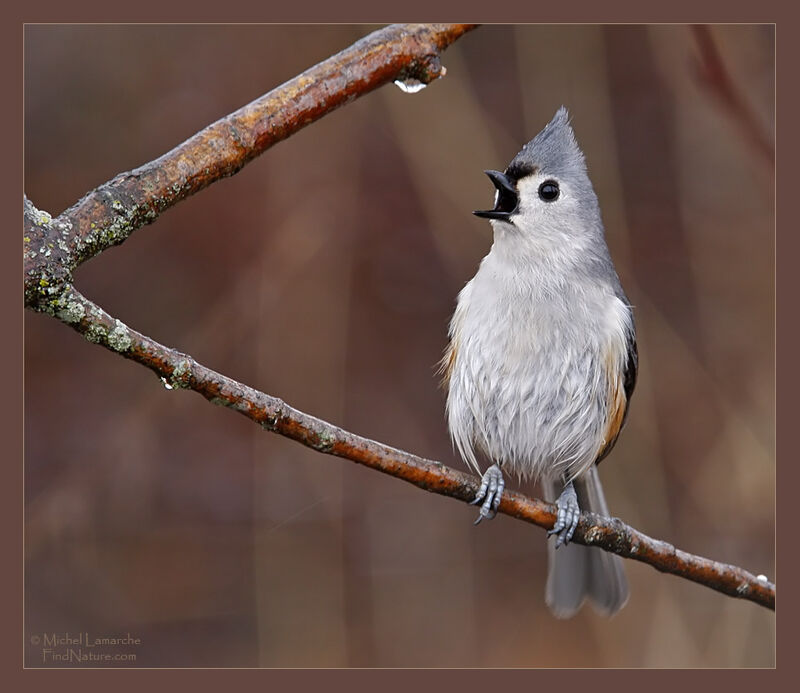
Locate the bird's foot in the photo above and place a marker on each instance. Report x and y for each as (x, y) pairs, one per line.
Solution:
(492, 485)
(568, 515)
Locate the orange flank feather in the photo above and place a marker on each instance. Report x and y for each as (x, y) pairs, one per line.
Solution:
(617, 406)
(446, 364)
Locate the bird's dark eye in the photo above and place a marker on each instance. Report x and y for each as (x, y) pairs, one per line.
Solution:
(549, 191)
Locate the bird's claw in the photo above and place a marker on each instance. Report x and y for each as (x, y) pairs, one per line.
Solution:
(569, 514)
(490, 492)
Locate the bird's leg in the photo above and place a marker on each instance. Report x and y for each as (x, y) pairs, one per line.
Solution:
(569, 513)
(492, 485)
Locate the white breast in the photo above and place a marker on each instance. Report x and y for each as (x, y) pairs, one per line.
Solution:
(529, 380)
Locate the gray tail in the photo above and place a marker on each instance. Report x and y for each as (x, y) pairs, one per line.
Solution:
(577, 572)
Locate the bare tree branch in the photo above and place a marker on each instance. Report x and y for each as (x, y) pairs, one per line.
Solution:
(179, 370)
(107, 216)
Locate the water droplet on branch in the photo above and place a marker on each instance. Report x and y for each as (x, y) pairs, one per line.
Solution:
(410, 86)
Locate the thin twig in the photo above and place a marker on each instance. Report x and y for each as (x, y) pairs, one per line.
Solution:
(109, 214)
(181, 371)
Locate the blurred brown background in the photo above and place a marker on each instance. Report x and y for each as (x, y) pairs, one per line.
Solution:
(325, 273)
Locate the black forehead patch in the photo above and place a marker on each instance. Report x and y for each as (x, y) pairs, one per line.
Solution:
(518, 169)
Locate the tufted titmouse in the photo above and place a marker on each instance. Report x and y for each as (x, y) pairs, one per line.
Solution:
(542, 358)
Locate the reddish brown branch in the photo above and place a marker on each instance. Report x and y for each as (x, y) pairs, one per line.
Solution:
(109, 214)
(179, 370)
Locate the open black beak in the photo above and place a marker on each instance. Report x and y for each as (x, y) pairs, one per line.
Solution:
(507, 199)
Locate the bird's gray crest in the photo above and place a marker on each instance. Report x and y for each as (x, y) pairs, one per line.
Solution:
(554, 151)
